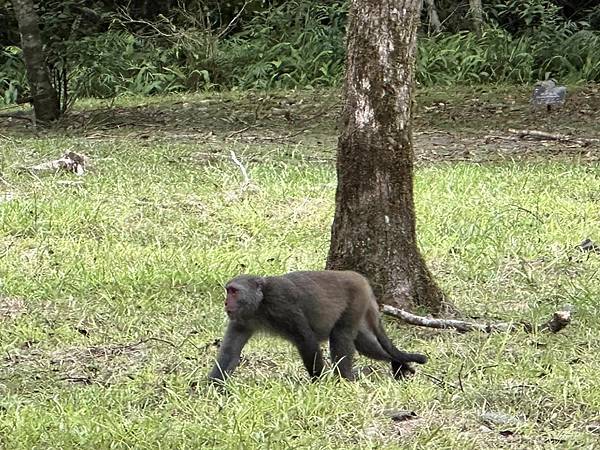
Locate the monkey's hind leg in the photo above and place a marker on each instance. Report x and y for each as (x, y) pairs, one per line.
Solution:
(402, 370)
(367, 344)
(341, 347)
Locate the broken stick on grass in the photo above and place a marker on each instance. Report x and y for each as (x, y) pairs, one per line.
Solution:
(542, 135)
(70, 162)
(247, 184)
(241, 166)
(559, 320)
(230, 135)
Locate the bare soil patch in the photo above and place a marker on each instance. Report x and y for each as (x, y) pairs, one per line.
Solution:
(451, 124)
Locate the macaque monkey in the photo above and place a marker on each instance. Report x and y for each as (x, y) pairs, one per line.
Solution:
(307, 308)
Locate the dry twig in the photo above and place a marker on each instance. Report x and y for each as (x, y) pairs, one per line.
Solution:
(232, 134)
(559, 320)
(542, 135)
(233, 21)
(242, 168)
(70, 161)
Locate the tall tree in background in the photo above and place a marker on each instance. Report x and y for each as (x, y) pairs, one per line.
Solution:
(435, 26)
(45, 101)
(374, 227)
(476, 11)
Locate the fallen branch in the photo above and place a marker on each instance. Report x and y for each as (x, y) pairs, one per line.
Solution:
(242, 168)
(286, 137)
(16, 116)
(542, 135)
(559, 320)
(230, 135)
(70, 161)
(247, 185)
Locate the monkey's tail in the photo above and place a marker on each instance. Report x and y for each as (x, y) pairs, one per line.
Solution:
(398, 355)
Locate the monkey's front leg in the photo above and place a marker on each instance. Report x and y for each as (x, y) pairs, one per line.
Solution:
(311, 354)
(235, 338)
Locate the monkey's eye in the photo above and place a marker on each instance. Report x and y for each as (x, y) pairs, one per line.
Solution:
(232, 290)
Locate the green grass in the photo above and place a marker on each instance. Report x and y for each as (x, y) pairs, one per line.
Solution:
(111, 300)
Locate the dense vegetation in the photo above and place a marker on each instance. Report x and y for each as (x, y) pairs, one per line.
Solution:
(155, 47)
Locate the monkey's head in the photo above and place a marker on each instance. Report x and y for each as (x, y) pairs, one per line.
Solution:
(244, 294)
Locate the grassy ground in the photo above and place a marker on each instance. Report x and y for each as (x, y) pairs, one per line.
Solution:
(111, 297)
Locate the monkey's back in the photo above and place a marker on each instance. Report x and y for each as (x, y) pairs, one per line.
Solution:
(324, 298)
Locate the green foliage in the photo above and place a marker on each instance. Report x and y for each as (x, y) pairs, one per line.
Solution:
(546, 32)
(295, 44)
(112, 63)
(569, 53)
(466, 58)
(539, 17)
(579, 57)
(12, 74)
(288, 45)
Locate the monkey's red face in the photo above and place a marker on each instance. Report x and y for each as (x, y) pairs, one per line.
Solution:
(244, 295)
(231, 300)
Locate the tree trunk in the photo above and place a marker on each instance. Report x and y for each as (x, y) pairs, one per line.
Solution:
(435, 25)
(45, 101)
(476, 11)
(374, 227)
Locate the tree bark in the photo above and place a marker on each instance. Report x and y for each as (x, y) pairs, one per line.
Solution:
(476, 11)
(434, 20)
(374, 227)
(45, 100)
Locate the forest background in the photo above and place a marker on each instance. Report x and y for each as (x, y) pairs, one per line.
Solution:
(107, 48)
